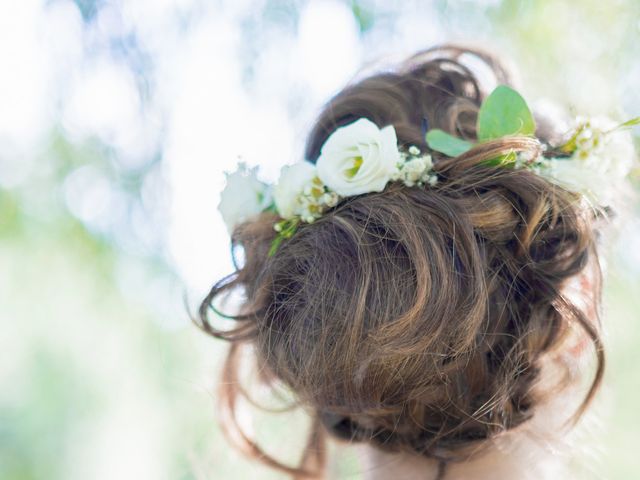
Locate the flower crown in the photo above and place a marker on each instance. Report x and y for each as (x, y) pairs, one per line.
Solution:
(361, 158)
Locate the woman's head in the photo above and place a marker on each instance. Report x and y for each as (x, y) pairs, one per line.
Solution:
(416, 319)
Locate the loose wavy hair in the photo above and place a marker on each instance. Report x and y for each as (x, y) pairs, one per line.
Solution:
(415, 318)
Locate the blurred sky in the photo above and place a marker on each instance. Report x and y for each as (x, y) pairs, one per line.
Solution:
(118, 119)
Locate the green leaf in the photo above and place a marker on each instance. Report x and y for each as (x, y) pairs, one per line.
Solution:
(274, 245)
(442, 142)
(629, 123)
(286, 229)
(504, 112)
(271, 208)
(506, 160)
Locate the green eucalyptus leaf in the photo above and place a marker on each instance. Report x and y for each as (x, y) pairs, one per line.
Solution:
(504, 112)
(441, 141)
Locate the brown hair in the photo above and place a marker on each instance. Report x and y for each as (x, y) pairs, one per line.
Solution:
(414, 318)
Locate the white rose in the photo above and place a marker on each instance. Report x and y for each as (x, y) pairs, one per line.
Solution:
(359, 158)
(243, 197)
(291, 184)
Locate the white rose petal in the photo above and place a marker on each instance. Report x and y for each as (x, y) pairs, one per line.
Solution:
(293, 181)
(243, 197)
(359, 158)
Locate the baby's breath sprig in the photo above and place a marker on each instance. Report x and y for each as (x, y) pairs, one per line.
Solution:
(312, 202)
(415, 168)
(315, 199)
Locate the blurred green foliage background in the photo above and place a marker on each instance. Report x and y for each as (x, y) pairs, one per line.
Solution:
(117, 119)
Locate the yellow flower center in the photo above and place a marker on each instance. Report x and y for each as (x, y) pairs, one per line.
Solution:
(357, 163)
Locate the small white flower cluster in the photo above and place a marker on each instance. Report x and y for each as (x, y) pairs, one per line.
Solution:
(300, 193)
(415, 169)
(588, 140)
(314, 200)
(601, 158)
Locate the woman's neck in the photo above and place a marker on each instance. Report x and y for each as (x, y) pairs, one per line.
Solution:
(541, 449)
(521, 458)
